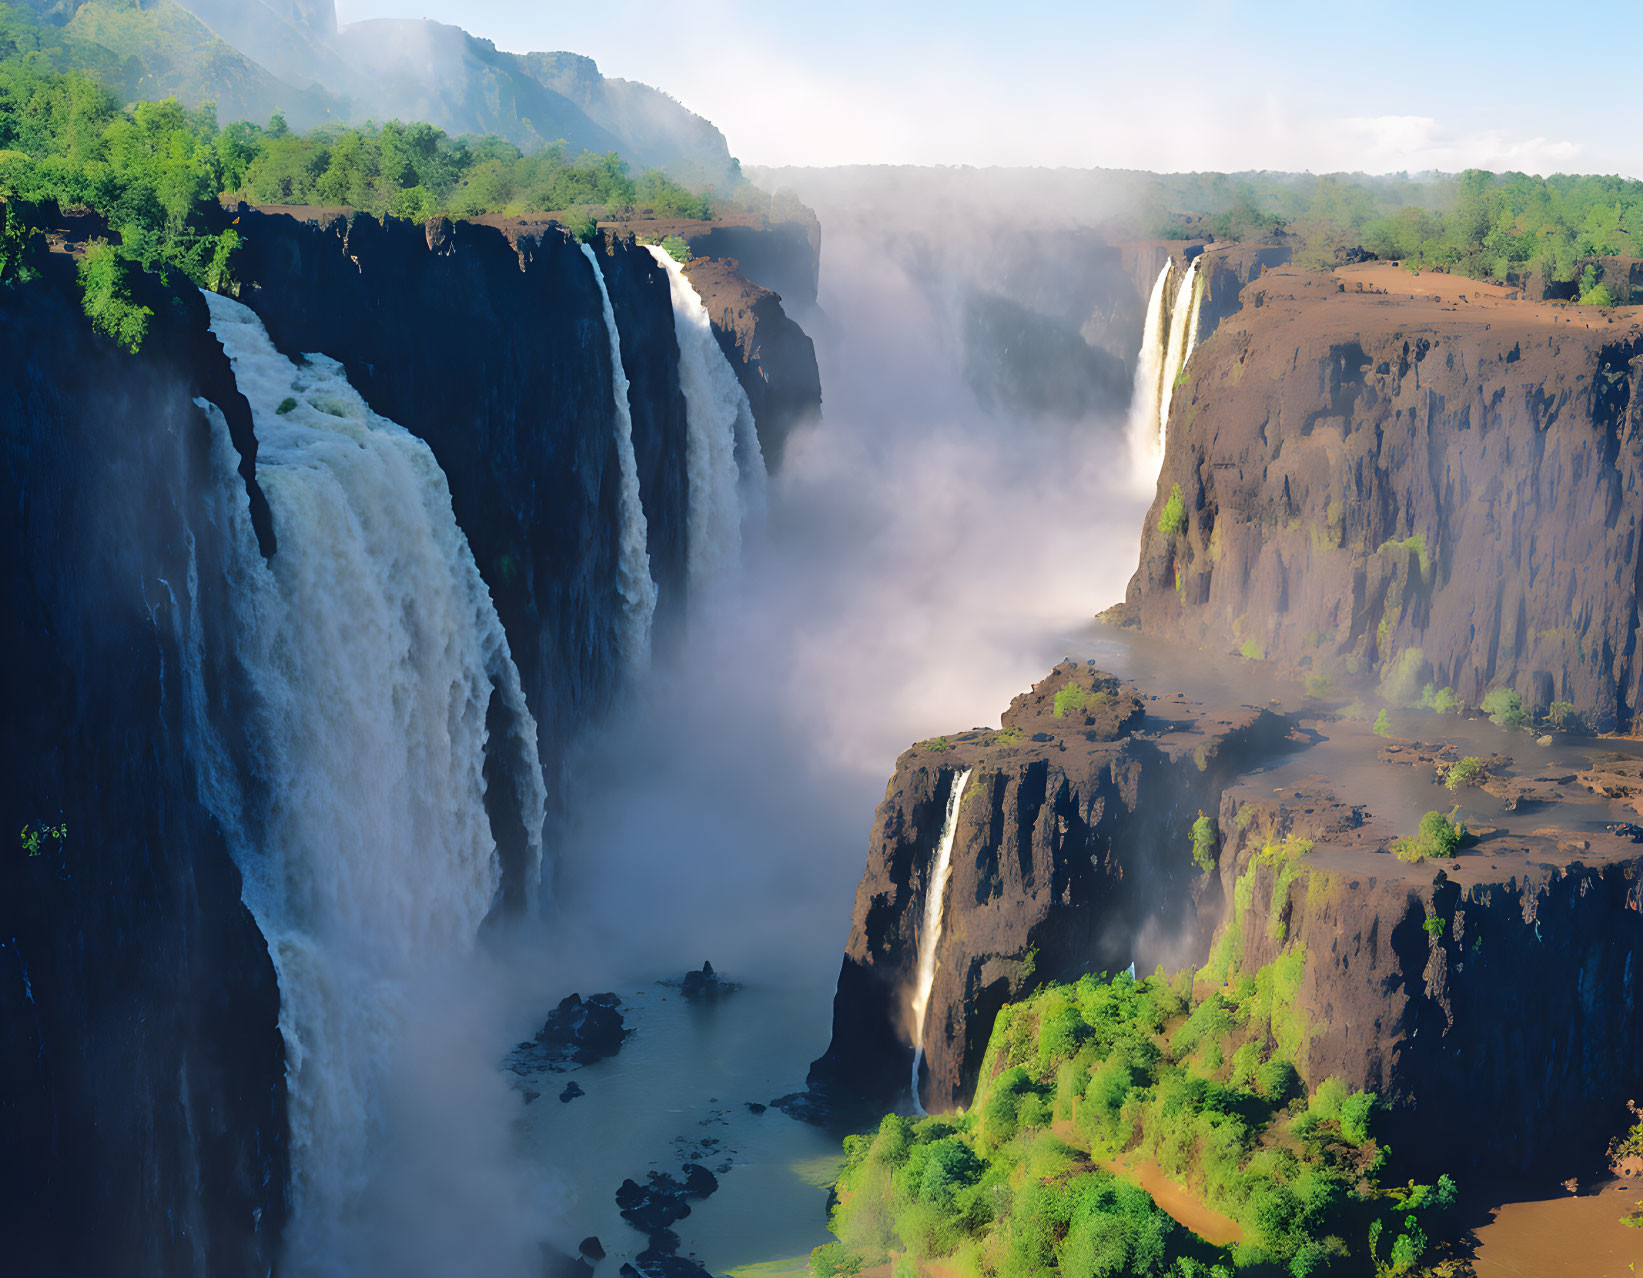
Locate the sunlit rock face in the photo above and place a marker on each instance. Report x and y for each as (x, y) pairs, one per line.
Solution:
(1067, 858)
(1419, 486)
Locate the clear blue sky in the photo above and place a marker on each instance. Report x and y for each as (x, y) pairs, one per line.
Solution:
(1192, 84)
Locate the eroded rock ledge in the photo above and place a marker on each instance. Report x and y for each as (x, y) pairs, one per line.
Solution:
(1488, 998)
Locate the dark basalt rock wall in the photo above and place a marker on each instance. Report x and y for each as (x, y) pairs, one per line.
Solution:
(1072, 849)
(772, 357)
(494, 351)
(1504, 1036)
(1364, 476)
(142, 1095)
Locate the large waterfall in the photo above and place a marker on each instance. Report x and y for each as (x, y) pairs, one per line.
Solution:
(1167, 340)
(935, 895)
(723, 461)
(353, 793)
(634, 581)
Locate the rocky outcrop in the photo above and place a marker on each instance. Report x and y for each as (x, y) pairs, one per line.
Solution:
(1412, 480)
(1489, 1001)
(142, 1093)
(1071, 855)
(783, 256)
(1226, 269)
(773, 358)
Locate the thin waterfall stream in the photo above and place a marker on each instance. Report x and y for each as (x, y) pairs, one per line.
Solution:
(935, 897)
(634, 582)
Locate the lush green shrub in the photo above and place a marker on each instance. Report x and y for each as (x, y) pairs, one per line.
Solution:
(1172, 519)
(1142, 1068)
(1438, 837)
(1252, 651)
(1382, 726)
(676, 248)
(1441, 700)
(834, 1260)
(1505, 707)
(1070, 700)
(107, 278)
(1203, 843)
(937, 745)
(19, 247)
(1469, 771)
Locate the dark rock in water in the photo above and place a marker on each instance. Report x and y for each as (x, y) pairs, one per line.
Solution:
(532, 1095)
(573, 1089)
(583, 1031)
(1627, 830)
(659, 1203)
(753, 1107)
(706, 984)
(807, 1107)
(699, 1182)
(592, 1248)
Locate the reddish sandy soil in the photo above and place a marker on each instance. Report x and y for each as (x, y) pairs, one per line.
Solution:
(1376, 296)
(1181, 1203)
(1563, 1237)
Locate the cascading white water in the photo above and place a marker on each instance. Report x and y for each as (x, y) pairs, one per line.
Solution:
(1182, 329)
(1167, 341)
(372, 650)
(724, 463)
(634, 581)
(1145, 456)
(935, 894)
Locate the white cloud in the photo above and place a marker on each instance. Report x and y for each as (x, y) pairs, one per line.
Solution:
(1078, 92)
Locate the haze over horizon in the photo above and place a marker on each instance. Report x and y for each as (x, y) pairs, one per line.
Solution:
(1217, 86)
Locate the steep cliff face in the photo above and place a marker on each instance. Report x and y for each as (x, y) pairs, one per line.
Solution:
(142, 1097)
(1489, 1001)
(1070, 855)
(493, 350)
(1375, 465)
(773, 358)
(142, 1093)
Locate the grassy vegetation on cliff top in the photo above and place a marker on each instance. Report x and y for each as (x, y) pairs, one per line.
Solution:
(155, 171)
(1476, 223)
(1082, 1082)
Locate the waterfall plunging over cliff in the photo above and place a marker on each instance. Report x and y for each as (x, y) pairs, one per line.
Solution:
(358, 814)
(1167, 339)
(634, 581)
(724, 464)
(935, 895)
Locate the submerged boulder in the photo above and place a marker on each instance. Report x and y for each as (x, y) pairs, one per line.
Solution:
(706, 985)
(583, 1031)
